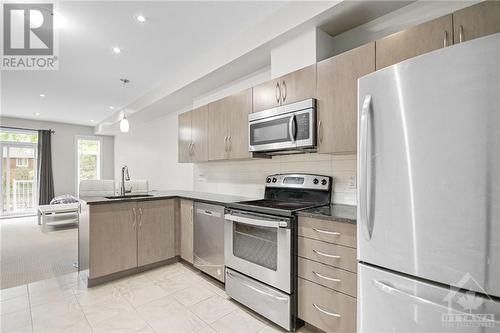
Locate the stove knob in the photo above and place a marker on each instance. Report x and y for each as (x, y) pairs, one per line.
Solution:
(323, 182)
(274, 180)
(315, 181)
(268, 180)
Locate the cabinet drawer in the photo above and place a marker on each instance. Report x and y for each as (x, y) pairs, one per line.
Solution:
(328, 276)
(328, 231)
(329, 254)
(326, 309)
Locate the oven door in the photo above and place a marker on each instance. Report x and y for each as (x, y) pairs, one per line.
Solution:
(259, 246)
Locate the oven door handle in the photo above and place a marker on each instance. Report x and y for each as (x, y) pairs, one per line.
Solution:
(256, 222)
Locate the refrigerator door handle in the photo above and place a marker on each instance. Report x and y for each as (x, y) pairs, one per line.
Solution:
(364, 190)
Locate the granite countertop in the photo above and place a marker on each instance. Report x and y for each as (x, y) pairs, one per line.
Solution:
(213, 198)
(334, 212)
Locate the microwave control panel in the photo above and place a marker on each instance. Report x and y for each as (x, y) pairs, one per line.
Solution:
(302, 126)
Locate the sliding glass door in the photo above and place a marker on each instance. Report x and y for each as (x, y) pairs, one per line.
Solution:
(18, 168)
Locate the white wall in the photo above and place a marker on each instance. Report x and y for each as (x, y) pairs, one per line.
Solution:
(150, 152)
(64, 151)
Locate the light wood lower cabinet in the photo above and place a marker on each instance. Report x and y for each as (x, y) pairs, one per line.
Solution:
(186, 225)
(330, 254)
(326, 309)
(338, 99)
(476, 21)
(341, 233)
(423, 38)
(156, 231)
(113, 236)
(128, 235)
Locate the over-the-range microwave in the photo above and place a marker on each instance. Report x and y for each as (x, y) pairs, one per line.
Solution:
(284, 129)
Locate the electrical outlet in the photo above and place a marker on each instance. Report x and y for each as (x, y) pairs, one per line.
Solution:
(352, 181)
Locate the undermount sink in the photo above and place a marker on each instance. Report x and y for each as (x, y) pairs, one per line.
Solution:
(129, 196)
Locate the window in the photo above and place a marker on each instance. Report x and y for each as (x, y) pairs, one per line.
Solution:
(88, 159)
(21, 162)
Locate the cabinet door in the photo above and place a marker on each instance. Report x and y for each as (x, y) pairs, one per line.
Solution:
(338, 98)
(113, 236)
(476, 21)
(187, 230)
(266, 95)
(423, 38)
(199, 134)
(184, 137)
(218, 129)
(156, 232)
(240, 105)
(298, 85)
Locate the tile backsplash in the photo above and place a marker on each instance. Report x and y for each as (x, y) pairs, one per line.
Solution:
(247, 177)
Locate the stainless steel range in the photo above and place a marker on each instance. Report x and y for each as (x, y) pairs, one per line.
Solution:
(260, 245)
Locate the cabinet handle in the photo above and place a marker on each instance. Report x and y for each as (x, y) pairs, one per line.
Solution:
(326, 312)
(461, 34)
(326, 254)
(283, 84)
(229, 143)
(225, 144)
(445, 39)
(320, 131)
(140, 217)
(326, 277)
(278, 93)
(334, 233)
(134, 217)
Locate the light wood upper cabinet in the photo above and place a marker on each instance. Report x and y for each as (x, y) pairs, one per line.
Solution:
(186, 224)
(113, 232)
(199, 134)
(338, 99)
(476, 21)
(156, 231)
(193, 135)
(228, 126)
(184, 137)
(289, 88)
(423, 38)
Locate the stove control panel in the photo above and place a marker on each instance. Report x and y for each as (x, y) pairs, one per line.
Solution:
(305, 181)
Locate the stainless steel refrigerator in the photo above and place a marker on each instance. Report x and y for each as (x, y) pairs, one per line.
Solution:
(429, 192)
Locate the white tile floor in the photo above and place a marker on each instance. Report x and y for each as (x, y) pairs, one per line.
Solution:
(173, 298)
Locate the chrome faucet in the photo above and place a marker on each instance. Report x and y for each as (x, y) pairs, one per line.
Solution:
(125, 176)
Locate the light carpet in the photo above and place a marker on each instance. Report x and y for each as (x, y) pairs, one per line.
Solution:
(27, 254)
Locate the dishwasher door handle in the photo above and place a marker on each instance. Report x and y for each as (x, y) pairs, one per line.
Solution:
(208, 212)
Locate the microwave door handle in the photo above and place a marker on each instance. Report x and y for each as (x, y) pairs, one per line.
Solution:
(291, 128)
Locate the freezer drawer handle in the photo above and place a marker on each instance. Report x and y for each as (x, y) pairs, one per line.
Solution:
(327, 232)
(326, 277)
(396, 292)
(262, 292)
(333, 314)
(326, 254)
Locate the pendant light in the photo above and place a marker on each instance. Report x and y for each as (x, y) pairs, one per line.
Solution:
(124, 124)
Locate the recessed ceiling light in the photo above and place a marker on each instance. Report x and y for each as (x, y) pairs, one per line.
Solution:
(116, 50)
(91, 120)
(42, 95)
(140, 18)
(111, 107)
(37, 114)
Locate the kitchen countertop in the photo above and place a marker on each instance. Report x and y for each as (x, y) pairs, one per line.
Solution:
(213, 198)
(334, 212)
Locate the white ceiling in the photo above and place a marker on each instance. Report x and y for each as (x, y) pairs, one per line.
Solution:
(175, 35)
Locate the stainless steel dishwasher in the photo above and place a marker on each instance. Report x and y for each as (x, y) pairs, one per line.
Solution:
(208, 239)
